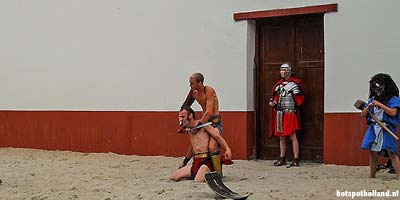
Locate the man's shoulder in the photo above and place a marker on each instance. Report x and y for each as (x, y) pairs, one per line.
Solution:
(207, 128)
(209, 89)
(297, 81)
(394, 101)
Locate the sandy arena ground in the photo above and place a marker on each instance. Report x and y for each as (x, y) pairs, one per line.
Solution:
(44, 175)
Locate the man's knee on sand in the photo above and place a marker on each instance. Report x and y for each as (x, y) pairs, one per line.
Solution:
(200, 176)
(181, 173)
(186, 174)
(174, 176)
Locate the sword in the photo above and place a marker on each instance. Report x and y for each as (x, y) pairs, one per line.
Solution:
(198, 126)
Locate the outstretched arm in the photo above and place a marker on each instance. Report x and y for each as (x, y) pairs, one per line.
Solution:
(215, 134)
(189, 99)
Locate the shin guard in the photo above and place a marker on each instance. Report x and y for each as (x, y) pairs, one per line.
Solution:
(216, 160)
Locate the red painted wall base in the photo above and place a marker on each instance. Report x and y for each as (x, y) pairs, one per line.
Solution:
(343, 134)
(139, 133)
(154, 133)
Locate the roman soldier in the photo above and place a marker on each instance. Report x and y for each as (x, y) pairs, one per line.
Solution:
(286, 98)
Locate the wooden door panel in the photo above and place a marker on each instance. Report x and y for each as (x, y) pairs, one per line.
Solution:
(278, 40)
(309, 51)
(297, 40)
(265, 108)
(309, 39)
(277, 36)
(311, 114)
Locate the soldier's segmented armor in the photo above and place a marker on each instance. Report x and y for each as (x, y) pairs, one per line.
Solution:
(286, 102)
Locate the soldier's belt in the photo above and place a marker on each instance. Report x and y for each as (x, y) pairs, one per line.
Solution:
(288, 110)
(201, 155)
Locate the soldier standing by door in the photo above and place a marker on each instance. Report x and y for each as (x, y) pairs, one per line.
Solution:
(285, 116)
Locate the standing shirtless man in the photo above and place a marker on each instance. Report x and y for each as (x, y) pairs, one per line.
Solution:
(208, 100)
(199, 139)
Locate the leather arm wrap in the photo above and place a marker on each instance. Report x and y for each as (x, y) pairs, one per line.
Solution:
(189, 100)
(185, 161)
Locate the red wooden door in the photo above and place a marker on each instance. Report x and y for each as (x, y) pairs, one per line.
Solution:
(297, 40)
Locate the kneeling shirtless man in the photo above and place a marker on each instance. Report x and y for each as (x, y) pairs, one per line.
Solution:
(199, 139)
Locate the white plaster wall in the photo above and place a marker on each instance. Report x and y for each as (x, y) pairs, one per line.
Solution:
(118, 55)
(361, 39)
(137, 55)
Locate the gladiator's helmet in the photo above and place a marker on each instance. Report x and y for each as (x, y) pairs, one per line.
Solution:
(378, 88)
(382, 88)
(288, 70)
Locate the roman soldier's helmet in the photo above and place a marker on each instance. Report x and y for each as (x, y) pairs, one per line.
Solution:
(288, 69)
